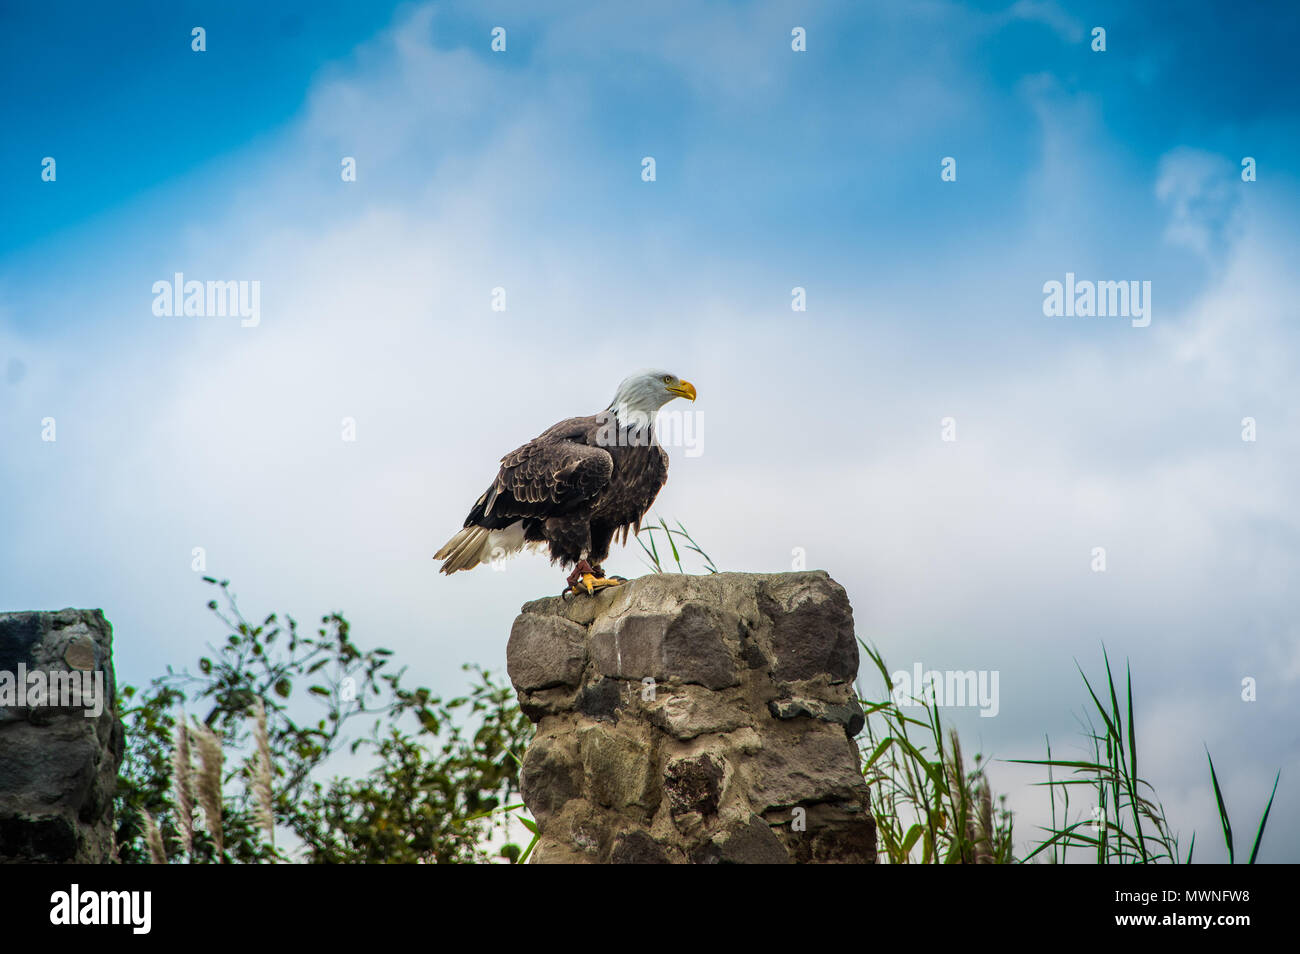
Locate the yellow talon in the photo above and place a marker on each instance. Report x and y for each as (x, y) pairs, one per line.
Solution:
(591, 583)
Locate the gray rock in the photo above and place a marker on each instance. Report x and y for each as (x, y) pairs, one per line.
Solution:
(812, 627)
(803, 762)
(849, 714)
(619, 769)
(550, 776)
(752, 843)
(545, 651)
(694, 785)
(602, 699)
(689, 711)
(630, 647)
(695, 647)
(58, 768)
(693, 719)
(832, 832)
(686, 646)
(637, 848)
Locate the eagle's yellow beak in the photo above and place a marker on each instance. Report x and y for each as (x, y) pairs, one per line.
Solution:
(683, 389)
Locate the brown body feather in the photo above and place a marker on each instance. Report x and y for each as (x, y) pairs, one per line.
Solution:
(574, 488)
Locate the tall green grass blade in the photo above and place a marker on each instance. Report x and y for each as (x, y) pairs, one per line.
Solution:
(529, 850)
(669, 535)
(1051, 791)
(880, 750)
(913, 836)
(1259, 836)
(1132, 777)
(1065, 833)
(1223, 810)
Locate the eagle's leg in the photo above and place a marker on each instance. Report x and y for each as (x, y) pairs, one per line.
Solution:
(573, 586)
(582, 567)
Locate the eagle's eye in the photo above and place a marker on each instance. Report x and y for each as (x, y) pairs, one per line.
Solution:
(668, 379)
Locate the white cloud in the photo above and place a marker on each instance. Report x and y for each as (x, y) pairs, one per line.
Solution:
(1049, 14)
(1203, 194)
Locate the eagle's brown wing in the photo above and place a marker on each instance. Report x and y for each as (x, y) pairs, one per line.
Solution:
(554, 474)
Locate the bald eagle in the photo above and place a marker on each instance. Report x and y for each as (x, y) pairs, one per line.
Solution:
(575, 487)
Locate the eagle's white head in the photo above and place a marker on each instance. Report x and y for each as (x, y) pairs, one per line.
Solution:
(641, 395)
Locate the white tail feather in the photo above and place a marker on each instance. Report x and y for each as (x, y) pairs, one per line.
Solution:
(475, 545)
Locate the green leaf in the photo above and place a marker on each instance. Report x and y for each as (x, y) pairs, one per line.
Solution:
(1223, 809)
(1259, 836)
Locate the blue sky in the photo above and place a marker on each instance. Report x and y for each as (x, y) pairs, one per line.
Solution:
(775, 169)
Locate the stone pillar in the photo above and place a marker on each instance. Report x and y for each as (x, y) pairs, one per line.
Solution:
(694, 719)
(58, 764)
